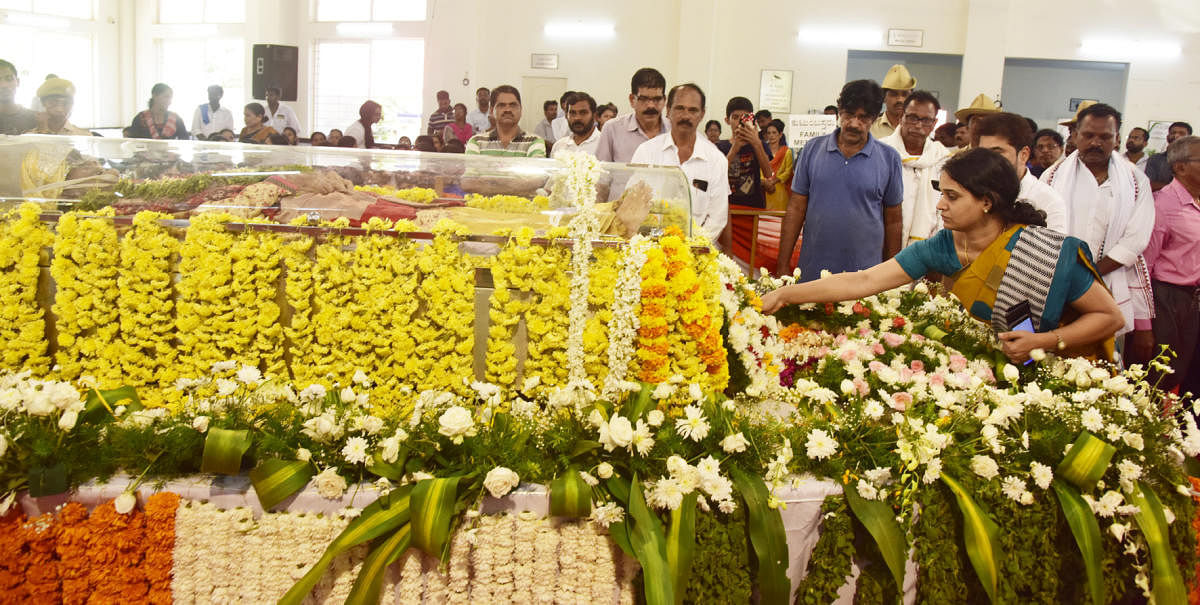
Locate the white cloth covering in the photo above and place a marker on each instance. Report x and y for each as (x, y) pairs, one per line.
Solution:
(919, 210)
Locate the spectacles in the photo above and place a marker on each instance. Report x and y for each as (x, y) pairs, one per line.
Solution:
(914, 119)
(861, 117)
(655, 100)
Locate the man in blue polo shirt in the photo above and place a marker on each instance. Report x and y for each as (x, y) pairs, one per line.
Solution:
(846, 193)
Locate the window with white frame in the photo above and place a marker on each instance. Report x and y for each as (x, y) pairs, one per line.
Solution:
(370, 10)
(389, 72)
(75, 9)
(191, 65)
(37, 53)
(201, 11)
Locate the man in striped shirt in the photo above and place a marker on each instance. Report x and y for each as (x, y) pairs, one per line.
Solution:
(507, 138)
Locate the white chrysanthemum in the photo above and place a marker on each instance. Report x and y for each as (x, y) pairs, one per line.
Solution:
(820, 445)
(1012, 487)
(655, 417)
(329, 484)
(879, 476)
(642, 442)
(1092, 420)
(1042, 475)
(663, 391)
(735, 443)
(1129, 471)
(985, 467)
(873, 409)
(666, 494)
(249, 375)
(606, 514)
(693, 425)
(226, 387)
(355, 451)
(369, 424)
(1107, 505)
(312, 392)
(500, 481)
(866, 490)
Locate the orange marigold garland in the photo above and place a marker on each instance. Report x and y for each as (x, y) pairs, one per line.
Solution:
(655, 318)
(29, 572)
(716, 362)
(160, 545)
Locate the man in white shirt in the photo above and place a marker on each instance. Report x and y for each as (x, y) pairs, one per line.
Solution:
(1009, 135)
(280, 116)
(705, 166)
(210, 118)
(478, 118)
(1135, 147)
(1109, 206)
(921, 160)
(559, 126)
(543, 129)
(581, 117)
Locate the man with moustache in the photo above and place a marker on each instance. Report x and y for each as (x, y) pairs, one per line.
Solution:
(1109, 206)
(1047, 150)
(581, 123)
(846, 193)
(507, 139)
(1135, 147)
(699, 159)
(1157, 164)
(478, 118)
(921, 160)
(622, 135)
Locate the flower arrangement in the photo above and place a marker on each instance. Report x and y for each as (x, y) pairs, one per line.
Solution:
(22, 321)
(84, 268)
(147, 304)
(512, 204)
(418, 195)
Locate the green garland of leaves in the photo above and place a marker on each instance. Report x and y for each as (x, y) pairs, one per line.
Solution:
(721, 563)
(937, 538)
(829, 563)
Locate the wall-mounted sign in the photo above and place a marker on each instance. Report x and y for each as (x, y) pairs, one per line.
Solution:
(543, 61)
(801, 128)
(775, 91)
(906, 37)
(1073, 106)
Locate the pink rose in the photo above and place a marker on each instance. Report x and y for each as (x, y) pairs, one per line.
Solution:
(864, 331)
(958, 363)
(906, 374)
(862, 386)
(876, 366)
(849, 355)
(893, 340)
(938, 379)
(877, 349)
(901, 401)
(917, 365)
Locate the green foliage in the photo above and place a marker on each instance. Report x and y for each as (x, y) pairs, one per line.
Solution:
(946, 574)
(829, 564)
(721, 563)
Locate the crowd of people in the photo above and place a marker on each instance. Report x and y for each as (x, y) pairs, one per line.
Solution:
(1088, 242)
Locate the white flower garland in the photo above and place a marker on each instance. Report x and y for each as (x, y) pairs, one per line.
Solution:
(582, 172)
(625, 324)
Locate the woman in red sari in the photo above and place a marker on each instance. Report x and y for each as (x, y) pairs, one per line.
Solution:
(156, 122)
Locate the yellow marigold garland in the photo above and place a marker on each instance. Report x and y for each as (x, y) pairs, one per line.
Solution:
(712, 347)
(333, 308)
(258, 335)
(84, 268)
(547, 322)
(147, 305)
(601, 292)
(655, 316)
(396, 316)
(513, 271)
(514, 204)
(419, 195)
(300, 331)
(204, 312)
(22, 324)
(444, 332)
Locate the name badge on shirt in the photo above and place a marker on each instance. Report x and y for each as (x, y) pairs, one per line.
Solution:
(699, 184)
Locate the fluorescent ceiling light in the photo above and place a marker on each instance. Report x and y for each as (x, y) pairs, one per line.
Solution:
(839, 36)
(1128, 48)
(364, 29)
(38, 21)
(579, 29)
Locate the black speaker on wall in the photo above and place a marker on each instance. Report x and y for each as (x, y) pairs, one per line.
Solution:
(275, 65)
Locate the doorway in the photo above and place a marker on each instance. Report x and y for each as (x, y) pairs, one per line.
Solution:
(1048, 90)
(535, 91)
(937, 73)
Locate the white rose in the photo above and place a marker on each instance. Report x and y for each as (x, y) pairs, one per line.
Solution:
(125, 502)
(616, 433)
(303, 455)
(4, 446)
(985, 467)
(68, 419)
(655, 417)
(38, 405)
(500, 481)
(329, 484)
(595, 418)
(1011, 373)
(347, 395)
(456, 423)
(1037, 354)
(200, 423)
(604, 470)
(734, 443)
(847, 387)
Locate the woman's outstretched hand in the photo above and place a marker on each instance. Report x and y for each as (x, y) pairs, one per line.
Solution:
(1018, 343)
(774, 300)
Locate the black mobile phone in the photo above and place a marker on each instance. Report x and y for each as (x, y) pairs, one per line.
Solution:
(1018, 317)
